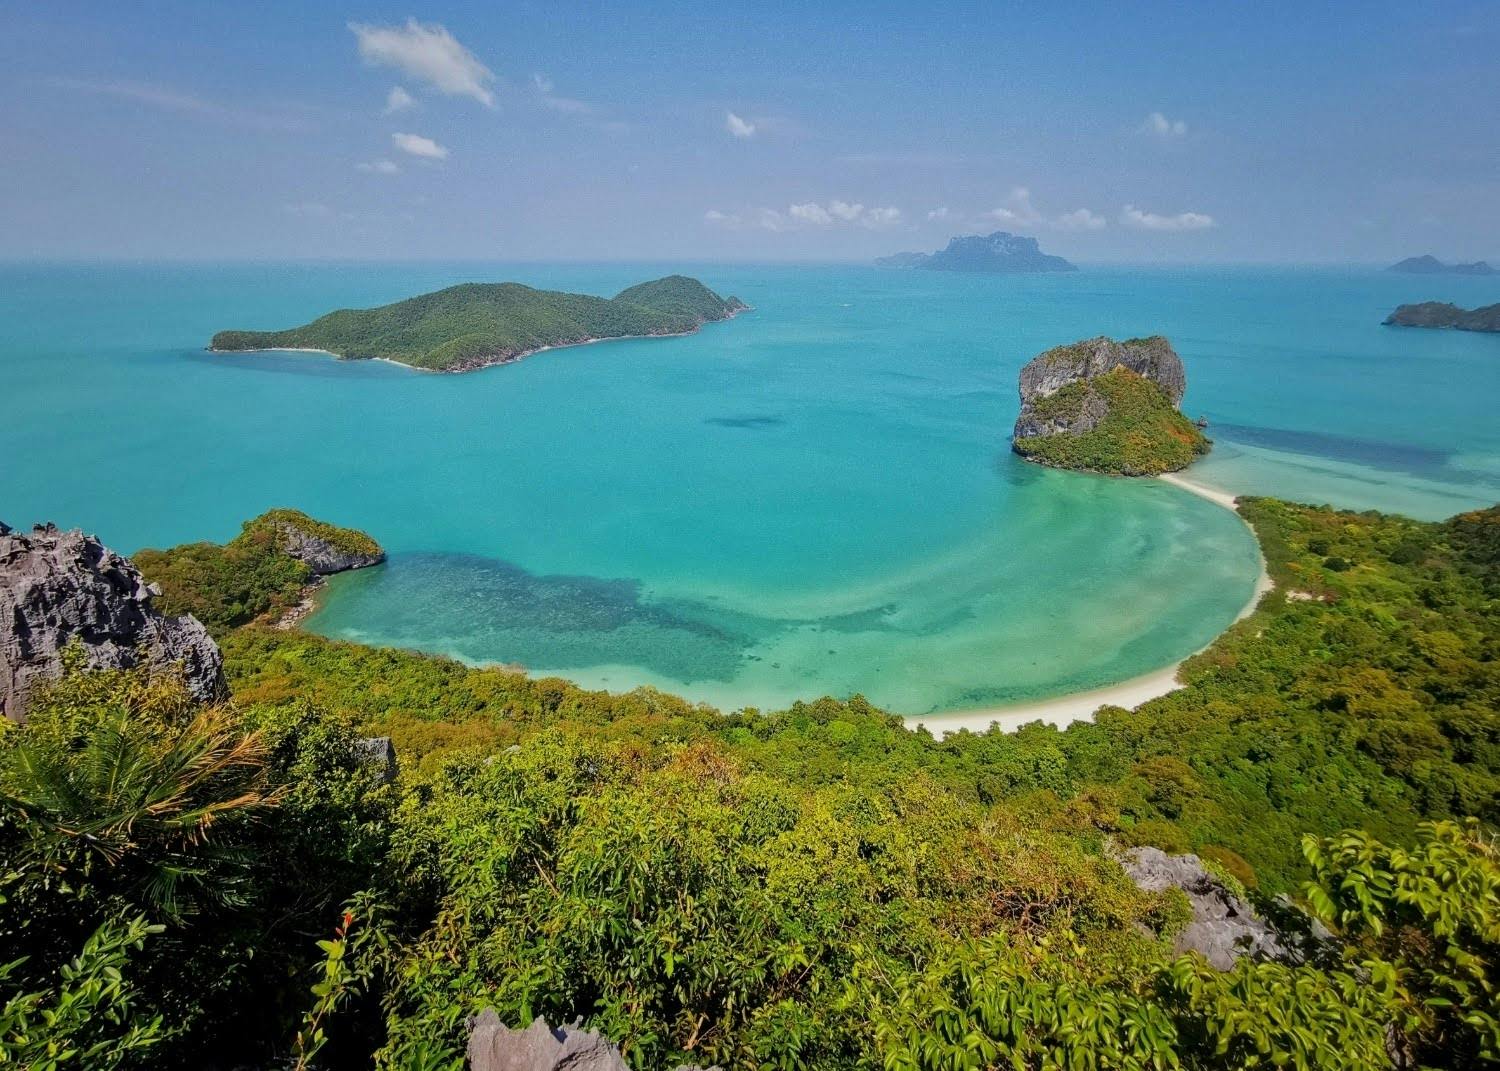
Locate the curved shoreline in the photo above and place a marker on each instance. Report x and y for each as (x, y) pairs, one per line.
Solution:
(1081, 706)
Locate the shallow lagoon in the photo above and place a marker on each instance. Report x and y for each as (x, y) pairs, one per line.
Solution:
(813, 498)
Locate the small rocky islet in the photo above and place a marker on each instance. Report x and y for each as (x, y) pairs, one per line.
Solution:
(1109, 407)
(1442, 314)
(475, 325)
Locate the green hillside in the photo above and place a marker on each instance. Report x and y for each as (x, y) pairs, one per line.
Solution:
(816, 888)
(477, 324)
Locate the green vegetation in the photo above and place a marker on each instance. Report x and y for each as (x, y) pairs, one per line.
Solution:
(250, 577)
(1141, 433)
(817, 887)
(476, 324)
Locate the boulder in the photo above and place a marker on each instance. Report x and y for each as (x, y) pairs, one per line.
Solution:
(495, 1047)
(1223, 927)
(65, 588)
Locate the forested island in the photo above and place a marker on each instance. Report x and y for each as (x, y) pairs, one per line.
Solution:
(1106, 406)
(255, 880)
(475, 325)
(1000, 253)
(1441, 314)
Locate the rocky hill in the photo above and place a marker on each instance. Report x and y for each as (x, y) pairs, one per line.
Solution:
(65, 591)
(1106, 406)
(267, 571)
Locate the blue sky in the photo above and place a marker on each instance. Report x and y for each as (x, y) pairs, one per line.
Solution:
(1142, 132)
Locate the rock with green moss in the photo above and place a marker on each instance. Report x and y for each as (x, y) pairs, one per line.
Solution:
(1106, 406)
(264, 572)
(324, 548)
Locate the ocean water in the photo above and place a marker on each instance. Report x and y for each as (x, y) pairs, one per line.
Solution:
(814, 498)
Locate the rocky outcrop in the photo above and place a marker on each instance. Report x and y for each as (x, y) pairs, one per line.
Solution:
(63, 588)
(1442, 314)
(1043, 376)
(323, 548)
(495, 1047)
(1223, 927)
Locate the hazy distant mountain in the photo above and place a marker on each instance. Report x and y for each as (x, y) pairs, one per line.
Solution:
(1000, 253)
(902, 260)
(1430, 265)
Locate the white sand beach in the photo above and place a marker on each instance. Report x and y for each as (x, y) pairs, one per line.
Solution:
(1081, 706)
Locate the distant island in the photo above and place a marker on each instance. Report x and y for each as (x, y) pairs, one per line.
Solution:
(1430, 265)
(1000, 253)
(1106, 406)
(1442, 314)
(475, 325)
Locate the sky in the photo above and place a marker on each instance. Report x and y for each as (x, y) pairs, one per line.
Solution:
(1142, 132)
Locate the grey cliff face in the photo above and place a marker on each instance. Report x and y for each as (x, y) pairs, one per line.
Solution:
(1048, 373)
(495, 1047)
(322, 557)
(1223, 927)
(60, 587)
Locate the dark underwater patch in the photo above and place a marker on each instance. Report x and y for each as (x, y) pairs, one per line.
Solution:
(1417, 460)
(752, 422)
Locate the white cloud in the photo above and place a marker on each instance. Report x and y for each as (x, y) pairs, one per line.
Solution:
(835, 213)
(378, 167)
(567, 105)
(1081, 219)
(417, 145)
(171, 100)
(1158, 125)
(1018, 210)
(845, 211)
(1130, 216)
(737, 126)
(811, 212)
(938, 213)
(398, 100)
(770, 219)
(428, 53)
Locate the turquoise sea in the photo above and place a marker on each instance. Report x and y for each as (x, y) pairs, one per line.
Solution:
(816, 497)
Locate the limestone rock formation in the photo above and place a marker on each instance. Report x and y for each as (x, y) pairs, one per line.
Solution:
(1224, 927)
(495, 1047)
(58, 588)
(323, 548)
(1107, 406)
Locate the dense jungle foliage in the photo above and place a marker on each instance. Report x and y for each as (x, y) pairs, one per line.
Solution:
(817, 887)
(474, 323)
(1141, 434)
